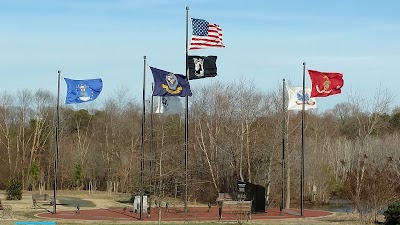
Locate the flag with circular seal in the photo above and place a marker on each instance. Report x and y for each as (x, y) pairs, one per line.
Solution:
(80, 91)
(170, 84)
(324, 84)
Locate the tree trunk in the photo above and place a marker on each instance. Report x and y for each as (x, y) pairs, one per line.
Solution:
(203, 148)
(241, 153)
(248, 151)
(267, 182)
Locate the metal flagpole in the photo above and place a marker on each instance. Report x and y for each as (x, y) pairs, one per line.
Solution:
(186, 113)
(56, 147)
(142, 141)
(151, 144)
(302, 143)
(283, 144)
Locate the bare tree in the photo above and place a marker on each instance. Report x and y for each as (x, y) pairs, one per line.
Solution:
(6, 125)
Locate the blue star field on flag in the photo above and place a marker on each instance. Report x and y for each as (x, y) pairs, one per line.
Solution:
(200, 27)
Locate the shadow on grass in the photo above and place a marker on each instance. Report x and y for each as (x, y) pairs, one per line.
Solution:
(125, 201)
(27, 215)
(74, 202)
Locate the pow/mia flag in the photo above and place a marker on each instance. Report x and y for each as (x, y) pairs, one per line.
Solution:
(202, 67)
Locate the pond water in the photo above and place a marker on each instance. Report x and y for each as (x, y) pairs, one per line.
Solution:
(337, 205)
(343, 208)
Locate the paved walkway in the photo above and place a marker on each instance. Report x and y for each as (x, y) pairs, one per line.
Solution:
(177, 214)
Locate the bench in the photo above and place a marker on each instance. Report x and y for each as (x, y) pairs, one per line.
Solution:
(7, 211)
(41, 198)
(237, 207)
(225, 197)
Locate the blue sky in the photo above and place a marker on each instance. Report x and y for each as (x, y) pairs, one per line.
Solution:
(265, 41)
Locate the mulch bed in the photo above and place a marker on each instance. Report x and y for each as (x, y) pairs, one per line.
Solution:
(178, 214)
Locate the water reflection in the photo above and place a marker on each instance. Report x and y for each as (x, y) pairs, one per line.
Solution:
(342, 208)
(336, 205)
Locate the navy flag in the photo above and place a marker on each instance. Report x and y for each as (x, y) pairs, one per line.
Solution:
(169, 84)
(80, 91)
(202, 66)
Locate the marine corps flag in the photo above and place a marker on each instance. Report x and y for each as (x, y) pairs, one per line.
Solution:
(169, 84)
(324, 84)
(202, 66)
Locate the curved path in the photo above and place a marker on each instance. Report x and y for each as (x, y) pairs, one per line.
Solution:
(177, 214)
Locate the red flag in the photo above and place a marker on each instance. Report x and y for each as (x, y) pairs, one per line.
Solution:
(324, 84)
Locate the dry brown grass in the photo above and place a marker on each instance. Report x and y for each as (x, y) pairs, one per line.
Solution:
(23, 211)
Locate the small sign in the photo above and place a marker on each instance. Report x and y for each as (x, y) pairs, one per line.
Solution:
(241, 191)
(242, 187)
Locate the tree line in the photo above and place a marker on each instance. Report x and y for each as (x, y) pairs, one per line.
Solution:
(235, 133)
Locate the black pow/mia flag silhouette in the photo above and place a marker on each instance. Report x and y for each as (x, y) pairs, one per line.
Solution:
(202, 67)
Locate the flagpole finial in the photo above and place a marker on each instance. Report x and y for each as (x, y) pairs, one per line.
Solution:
(304, 63)
(58, 71)
(283, 79)
(187, 7)
(144, 57)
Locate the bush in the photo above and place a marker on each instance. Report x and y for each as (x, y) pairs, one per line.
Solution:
(78, 175)
(392, 214)
(14, 189)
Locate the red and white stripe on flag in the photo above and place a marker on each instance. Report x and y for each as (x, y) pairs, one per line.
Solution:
(213, 39)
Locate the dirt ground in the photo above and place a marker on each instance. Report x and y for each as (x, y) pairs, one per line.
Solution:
(23, 211)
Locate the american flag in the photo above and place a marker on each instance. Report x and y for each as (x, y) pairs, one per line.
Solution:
(205, 35)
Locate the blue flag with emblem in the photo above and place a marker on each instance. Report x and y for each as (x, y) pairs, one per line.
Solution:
(169, 84)
(80, 91)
